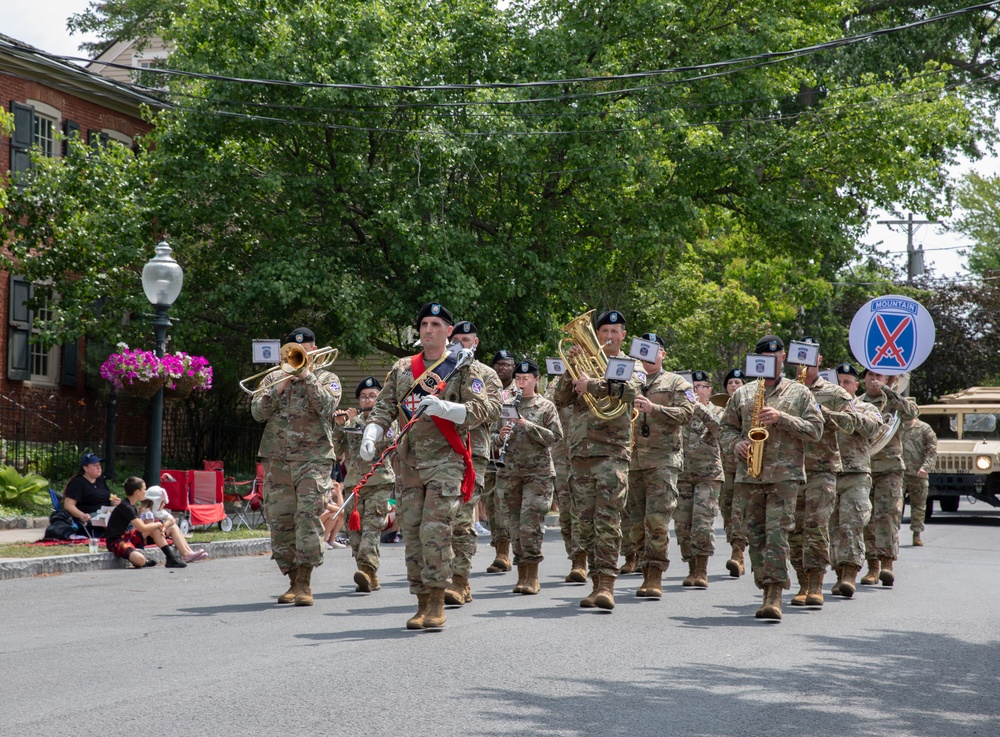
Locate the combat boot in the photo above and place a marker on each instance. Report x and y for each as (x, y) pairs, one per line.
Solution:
(631, 563)
(735, 564)
(772, 602)
(531, 585)
(363, 578)
(800, 598)
(578, 573)
(373, 576)
(605, 598)
(654, 585)
(917, 542)
(835, 589)
(701, 571)
(519, 586)
(643, 589)
(416, 622)
(304, 595)
(501, 563)
(847, 576)
(289, 596)
(887, 577)
(434, 618)
(814, 578)
(871, 576)
(590, 600)
(692, 573)
(454, 595)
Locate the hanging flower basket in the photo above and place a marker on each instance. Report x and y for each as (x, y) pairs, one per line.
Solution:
(137, 373)
(181, 388)
(185, 374)
(141, 389)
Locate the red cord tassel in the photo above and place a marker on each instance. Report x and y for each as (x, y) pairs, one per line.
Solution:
(354, 523)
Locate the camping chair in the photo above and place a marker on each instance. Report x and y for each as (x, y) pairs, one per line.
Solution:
(249, 505)
(176, 485)
(205, 502)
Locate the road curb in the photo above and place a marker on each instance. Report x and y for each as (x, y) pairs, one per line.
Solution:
(28, 567)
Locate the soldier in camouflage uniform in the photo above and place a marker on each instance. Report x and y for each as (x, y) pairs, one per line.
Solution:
(297, 452)
(882, 533)
(568, 522)
(699, 484)
(919, 455)
(496, 510)
(599, 456)
(732, 508)
(525, 481)
(464, 540)
(664, 407)
(435, 465)
(853, 507)
(792, 418)
(810, 541)
(372, 502)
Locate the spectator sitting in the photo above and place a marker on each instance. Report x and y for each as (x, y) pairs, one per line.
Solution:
(151, 508)
(127, 534)
(332, 525)
(390, 534)
(87, 492)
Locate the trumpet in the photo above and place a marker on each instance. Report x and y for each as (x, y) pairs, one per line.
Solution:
(294, 359)
(592, 362)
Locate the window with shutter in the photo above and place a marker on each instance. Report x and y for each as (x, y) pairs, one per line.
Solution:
(71, 130)
(18, 330)
(24, 133)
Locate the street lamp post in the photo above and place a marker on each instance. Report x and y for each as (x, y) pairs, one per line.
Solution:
(162, 279)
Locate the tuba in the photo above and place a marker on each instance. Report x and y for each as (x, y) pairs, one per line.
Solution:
(891, 420)
(294, 358)
(593, 363)
(758, 435)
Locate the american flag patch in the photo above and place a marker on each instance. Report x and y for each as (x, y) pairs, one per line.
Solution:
(477, 386)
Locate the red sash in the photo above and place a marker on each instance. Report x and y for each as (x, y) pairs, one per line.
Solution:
(450, 433)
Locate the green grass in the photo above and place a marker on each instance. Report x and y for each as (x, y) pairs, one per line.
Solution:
(22, 550)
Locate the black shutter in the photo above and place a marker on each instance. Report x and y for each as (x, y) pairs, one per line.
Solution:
(24, 134)
(19, 330)
(71, 130)
(69, 353)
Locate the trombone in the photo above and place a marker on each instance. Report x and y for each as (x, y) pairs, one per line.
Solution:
(294, 358)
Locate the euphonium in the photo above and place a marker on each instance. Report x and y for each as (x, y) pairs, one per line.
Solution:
(294, 358)
(758, 435)
(593, 362)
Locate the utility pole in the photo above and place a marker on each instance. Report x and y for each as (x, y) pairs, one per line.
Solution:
(914, 257)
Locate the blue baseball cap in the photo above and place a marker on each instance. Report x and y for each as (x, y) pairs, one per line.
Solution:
(89, 458)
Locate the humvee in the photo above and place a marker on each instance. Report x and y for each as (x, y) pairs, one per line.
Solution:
(967, 425)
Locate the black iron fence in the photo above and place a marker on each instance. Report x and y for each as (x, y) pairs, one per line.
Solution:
(194, 433)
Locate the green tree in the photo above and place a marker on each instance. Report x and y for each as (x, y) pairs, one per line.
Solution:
(979, 220)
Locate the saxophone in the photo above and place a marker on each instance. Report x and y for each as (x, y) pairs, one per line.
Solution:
(758, 435)
(802, 375)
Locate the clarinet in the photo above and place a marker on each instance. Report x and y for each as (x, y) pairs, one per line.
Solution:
(501, 460)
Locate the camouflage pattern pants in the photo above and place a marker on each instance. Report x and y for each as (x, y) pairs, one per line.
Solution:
(373, 506)
(528, 498)
(851, 513)
(916, 489)
(294, 497)
(809, 543)
(652, 494)
(726, 503)
(599, 486)
(694, 519)
(496, 511)
(882, 533)
(769, 515)
(464, 540)
(426, 516)
(568, 521)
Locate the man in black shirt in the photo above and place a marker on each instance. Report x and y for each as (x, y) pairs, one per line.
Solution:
(127, 534)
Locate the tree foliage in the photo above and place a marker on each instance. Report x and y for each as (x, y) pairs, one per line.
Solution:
(979, 220)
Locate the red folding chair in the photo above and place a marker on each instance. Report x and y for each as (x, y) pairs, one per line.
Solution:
(205, 505)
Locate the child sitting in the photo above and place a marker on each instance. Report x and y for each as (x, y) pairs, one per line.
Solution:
(151, 508)
(126, 533)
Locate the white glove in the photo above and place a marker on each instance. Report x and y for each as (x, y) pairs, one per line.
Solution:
(451, 411)
(372, 434)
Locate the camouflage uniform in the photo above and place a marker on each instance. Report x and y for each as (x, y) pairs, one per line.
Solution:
(373, 500)
(496, 510)
(297, 452)
(731, 507)
(809, 543)
(853, 508)
(525, 482)
(599, 460)
(568, 522)
(430, 472)
(770, 499)
(699, 483)
(656, 461)
(882, 533)
(464, 538)
(919, 452)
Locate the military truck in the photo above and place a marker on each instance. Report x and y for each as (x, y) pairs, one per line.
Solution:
(967, 425)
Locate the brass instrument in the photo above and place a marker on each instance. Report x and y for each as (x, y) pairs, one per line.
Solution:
(891, 421)
(294, 358)
(758, 435)
(593, 363)
(501, 459)
(719, 400)
(803, 370)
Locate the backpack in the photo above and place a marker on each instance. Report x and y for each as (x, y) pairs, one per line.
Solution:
(61, 526)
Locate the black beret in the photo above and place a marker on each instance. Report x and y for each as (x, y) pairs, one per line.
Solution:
(433, 309)
(654, 338)
(734, 374)
(846, 368)
(810, 340)
(769, 344)
(611, 317)
(700, 376)
(301, 335)
(526, 366)
(503, 355)
(369, 382)
(464, 328)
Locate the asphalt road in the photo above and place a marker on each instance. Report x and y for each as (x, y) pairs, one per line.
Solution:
(206, 651)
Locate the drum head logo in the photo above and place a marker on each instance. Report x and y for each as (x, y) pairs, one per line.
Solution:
(892, 335)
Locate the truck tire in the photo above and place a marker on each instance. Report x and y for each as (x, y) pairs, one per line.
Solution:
(949, 503)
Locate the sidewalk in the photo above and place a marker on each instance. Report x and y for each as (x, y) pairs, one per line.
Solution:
(28, 535)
